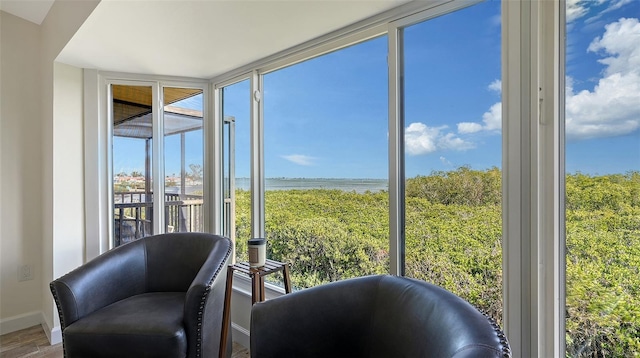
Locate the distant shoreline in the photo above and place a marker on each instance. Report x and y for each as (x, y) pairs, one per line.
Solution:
(344, 184)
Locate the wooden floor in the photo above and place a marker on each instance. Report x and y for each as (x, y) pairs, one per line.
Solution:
(32, 342)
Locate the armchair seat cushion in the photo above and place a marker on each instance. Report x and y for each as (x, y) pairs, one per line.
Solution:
(144, 325)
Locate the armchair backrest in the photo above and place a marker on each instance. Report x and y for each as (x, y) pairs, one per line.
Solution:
(374, 316)
(167, 270)
(451, 326)
(110, 277)
(323, 321)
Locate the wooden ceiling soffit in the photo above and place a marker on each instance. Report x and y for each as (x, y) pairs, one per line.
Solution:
(131, 102)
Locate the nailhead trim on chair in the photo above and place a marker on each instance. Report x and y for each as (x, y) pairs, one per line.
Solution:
(203, 301)
(506, 351)
(202, 304)
(55, 299)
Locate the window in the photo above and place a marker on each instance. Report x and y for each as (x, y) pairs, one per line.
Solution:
(452, 131)
(132, 116)
(602, 179)
(523, 178)
(237, 166)
(148, 142)
(292, 117)
(325, 150)
(183, 159)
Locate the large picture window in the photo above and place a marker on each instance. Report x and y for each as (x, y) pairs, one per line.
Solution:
(325, 133)
(453, 154)
(603, 179)
(391, 147)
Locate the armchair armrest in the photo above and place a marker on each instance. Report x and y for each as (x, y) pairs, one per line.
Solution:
(205, 298)
(110, 277)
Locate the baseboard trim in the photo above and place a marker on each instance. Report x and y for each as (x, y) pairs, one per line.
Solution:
(54, 334)
(22, 321)
(240, 335)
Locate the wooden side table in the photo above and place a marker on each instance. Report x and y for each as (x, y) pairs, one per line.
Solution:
(257, 289)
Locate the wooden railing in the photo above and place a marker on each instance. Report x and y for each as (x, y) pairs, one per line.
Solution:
(183, 213)
(133, 215)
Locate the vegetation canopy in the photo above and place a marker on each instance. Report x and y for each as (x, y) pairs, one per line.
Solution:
(454, 240)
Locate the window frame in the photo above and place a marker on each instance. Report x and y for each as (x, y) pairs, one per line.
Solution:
(98, 152)
(533, 177)
(533, 295)
(533, 154)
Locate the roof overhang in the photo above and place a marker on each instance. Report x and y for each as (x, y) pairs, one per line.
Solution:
(133, 111)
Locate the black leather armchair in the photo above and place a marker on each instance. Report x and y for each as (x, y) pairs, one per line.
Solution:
(159, 296)
(374, 316)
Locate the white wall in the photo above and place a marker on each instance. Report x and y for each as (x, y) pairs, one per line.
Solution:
(64, 249)
(41, 159)
(62, 139)
(68, 169)
(21, 172)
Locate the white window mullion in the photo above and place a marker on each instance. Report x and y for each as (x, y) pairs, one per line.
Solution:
(550, 215)
(158, 159)
(519, 260)
(214, 177)
(533, 261)
(396, 152)
(257, 156)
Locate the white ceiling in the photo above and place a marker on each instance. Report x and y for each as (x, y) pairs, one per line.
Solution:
(31, 10)
(204, 38)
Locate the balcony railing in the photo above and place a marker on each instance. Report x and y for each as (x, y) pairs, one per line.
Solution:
(133, 214)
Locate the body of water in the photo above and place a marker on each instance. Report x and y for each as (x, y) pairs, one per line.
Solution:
(357, 185)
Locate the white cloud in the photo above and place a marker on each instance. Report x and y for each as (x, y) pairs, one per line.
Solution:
(613, 107)
(579, 8)
(493, 118)
(575, 10)
(300, 159)
(450, 141)
(496, 85)
(614, 5)
(445, 161)
(617, 4)
(621, 40)
(421, 139)
(469, 127)
(491, 121)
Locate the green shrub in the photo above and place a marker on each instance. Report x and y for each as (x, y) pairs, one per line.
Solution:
(453, 234)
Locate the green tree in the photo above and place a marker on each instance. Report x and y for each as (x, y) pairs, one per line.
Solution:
(462, 186)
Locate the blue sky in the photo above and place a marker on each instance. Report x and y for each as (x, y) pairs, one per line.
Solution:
(327, 117)
(603, 86)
